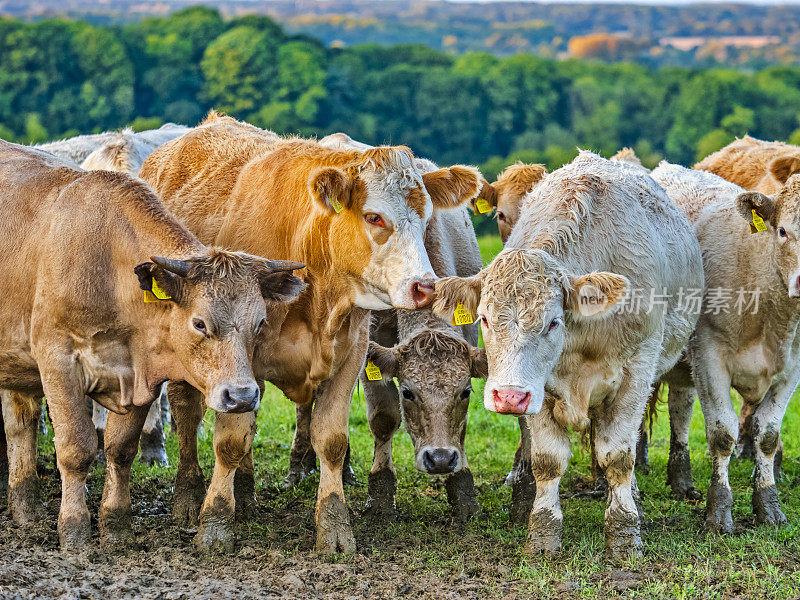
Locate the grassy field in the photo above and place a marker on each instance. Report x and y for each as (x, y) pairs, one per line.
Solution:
(485, 556)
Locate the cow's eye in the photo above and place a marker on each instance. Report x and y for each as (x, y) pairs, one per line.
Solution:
(501, 216)
(482, 319)
(260, 326)
(200, 325)
(781, 232)
(553, 324)
(465, 394)
(407, 393)
(375, 219)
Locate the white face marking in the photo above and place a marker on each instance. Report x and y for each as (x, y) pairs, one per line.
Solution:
(402, 260)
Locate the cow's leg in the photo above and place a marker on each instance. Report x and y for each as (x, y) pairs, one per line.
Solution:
(75, 442)
(550, 452)
(744, 446)
(383, 414)
(766, 430)
(233, 439)
(330, 438)
(722, 428)
(642, 457)
(302, 460)
(20, 420)
(152, 442)
(679, 467)
(100, 418)
(460, 487)
(523, 483)
(121, 444)
(187, 410)
(616, 427)
(244, 480)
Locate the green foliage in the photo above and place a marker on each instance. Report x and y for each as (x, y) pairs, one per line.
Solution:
(59, 77)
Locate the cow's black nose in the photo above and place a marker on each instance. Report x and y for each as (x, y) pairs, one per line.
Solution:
(440, 460)
(240, 398)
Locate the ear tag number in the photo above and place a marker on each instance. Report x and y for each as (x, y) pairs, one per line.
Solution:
(482, 205)
(372, 371)
(757, 224)
(461, 316)
(337, 206)
(155, 293)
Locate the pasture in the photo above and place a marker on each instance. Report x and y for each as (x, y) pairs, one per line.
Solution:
(423, 554)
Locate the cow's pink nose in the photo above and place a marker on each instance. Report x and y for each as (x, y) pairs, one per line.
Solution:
(511, 402)
(422, 293)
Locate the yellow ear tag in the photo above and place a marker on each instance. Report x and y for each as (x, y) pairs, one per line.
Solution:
(461, 316)
(155, 293)
(757, 224)
(337, 206)
(482, 205)
(372, 371)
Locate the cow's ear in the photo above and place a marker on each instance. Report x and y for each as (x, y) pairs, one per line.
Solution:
(784, 167)
(383, 358)
(479, 366)
(277, 282)
(463, 293)
(159, 285)
(519, 178)
(755, 207)
(452, 186)
(332, 188)
(596, 295)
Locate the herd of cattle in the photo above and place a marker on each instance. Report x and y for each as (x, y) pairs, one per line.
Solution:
(143, 266)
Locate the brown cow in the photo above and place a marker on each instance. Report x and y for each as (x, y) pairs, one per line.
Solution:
(358, 219)
(75, 323)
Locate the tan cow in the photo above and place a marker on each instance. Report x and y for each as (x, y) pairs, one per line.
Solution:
(433, 363)
(746, 337)
(358, 219)
(754, 164)
(75, 322)
(564, 346)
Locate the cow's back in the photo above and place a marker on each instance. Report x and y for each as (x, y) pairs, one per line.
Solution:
(746, 161)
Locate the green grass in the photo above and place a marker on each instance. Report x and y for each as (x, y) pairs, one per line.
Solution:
(680, 559)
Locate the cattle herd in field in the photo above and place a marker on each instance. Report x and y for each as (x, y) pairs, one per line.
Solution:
(218, 257)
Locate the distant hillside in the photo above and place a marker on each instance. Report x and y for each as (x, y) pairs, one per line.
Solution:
(701, 34)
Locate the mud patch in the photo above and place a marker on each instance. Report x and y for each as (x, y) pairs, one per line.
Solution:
(382, 487)
(679, 473)
(335, 449)
(619, 468)
(720, 442)
(544, 533)
(767, 506)
(545, 467)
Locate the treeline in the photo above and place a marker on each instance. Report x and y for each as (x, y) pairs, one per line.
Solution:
(59, 78)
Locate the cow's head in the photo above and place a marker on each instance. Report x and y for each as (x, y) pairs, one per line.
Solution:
(511, 187)
(780, 214)
(524, 301)
(380, 205)
(433, 369)
(218, 309)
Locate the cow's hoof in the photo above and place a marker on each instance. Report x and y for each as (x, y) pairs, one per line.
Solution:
(74, 533)
(349, 476)
(23, 501)
(334, 533)
(461, 495)
(623, 534)
(767, 507)
(744, 447)
(188, 499)
(115, 529)
(244, 493)
(685, 491)
(523, 493)
(382, 487)
(298, 471)
(719, 502)
(544, 533)
(215, 528)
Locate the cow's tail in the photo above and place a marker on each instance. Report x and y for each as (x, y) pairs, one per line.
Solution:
(657, 396)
